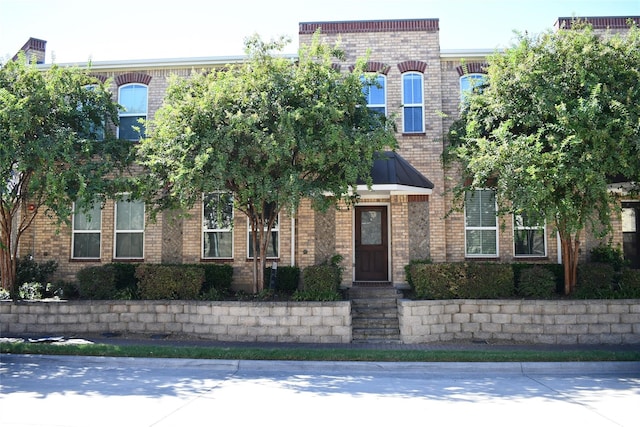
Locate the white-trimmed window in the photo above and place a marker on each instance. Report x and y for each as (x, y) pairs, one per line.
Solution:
(528, 237)
(86, 232)
(273, 251)
(91, 130)
(377, 94)
(412, 103)
(469, 82)
(134, 98)
(481, 224)
(217, 225)
(129, 229)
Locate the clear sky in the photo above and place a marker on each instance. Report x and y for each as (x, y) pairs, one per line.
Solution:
(79, 30)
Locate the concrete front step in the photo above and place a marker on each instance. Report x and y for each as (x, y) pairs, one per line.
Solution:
(364, 304)
(374, 314)
(383, 292)
(369, 334)
(376, 322)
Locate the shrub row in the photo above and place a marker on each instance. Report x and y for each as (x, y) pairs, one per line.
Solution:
(496, 280)
(320, 283)
(287, 279)
(604, 281)
(154, 281)
(461, 280)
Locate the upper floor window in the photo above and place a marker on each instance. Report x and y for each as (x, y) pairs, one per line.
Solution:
(412, 103)
(134, 99)
(481, 224)
(92, 127)
(86, 232)
(129, 230)
(377, 94)
(217, 223)
(469, 82)
(529, 236)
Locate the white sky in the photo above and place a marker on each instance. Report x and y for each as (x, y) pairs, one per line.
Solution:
(80, 30)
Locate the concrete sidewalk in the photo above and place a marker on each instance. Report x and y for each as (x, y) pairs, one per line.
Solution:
(77, 391)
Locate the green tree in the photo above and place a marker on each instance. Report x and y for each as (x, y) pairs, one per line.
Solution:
(55, 149)
(556, 121)
(270, 131)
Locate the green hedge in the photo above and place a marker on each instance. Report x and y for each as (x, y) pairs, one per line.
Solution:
(462, 280)
(629, 286)
(537, 282)
(156, 281)
(97, 282)
(556, 269)
(119, 281)
(477, 280)
(595, 280)
(320, 283)
(216, 276)
(436, 281)
(287, 278)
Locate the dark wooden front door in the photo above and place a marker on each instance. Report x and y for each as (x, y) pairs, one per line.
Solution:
(372, 248)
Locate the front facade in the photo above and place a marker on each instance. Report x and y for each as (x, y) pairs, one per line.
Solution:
(405, 216)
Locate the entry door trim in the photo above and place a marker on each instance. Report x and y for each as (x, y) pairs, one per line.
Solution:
(387, 228)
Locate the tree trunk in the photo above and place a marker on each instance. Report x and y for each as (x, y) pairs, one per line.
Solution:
(570, 245)
(254, 243)
(7, 258)
(260, 233)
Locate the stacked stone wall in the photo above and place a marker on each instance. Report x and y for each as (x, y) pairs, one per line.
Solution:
(532, 321)
(303, 322)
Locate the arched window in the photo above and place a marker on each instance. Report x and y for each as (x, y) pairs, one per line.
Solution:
(469, 83)
(134, 98)
(412, 103)
(377, 94)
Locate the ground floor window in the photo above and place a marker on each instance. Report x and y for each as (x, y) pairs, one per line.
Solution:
(529, 236)
(217, 222)
(86, 232)
(129, 229)
(481, 224)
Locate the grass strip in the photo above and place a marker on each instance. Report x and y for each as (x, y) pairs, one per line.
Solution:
(238, 353)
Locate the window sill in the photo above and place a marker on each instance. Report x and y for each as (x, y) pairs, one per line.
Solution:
(530, 258)
(414, 134)
(482, 258)
(131, 260)
(216, 260)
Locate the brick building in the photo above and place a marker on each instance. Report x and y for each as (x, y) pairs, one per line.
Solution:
(402, 218)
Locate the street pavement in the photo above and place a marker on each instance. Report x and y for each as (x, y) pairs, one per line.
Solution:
(105, 391)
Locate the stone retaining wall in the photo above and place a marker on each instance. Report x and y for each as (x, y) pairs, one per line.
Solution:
(534, 321)
(305, 322)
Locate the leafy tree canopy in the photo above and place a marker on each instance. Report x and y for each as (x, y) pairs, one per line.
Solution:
(557, 122)
(56, 148)
(270, 131)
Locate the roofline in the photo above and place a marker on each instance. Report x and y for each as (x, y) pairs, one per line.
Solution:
(207, 61)
(468, 53)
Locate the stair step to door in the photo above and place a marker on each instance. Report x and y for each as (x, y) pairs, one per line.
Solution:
(374, 314)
